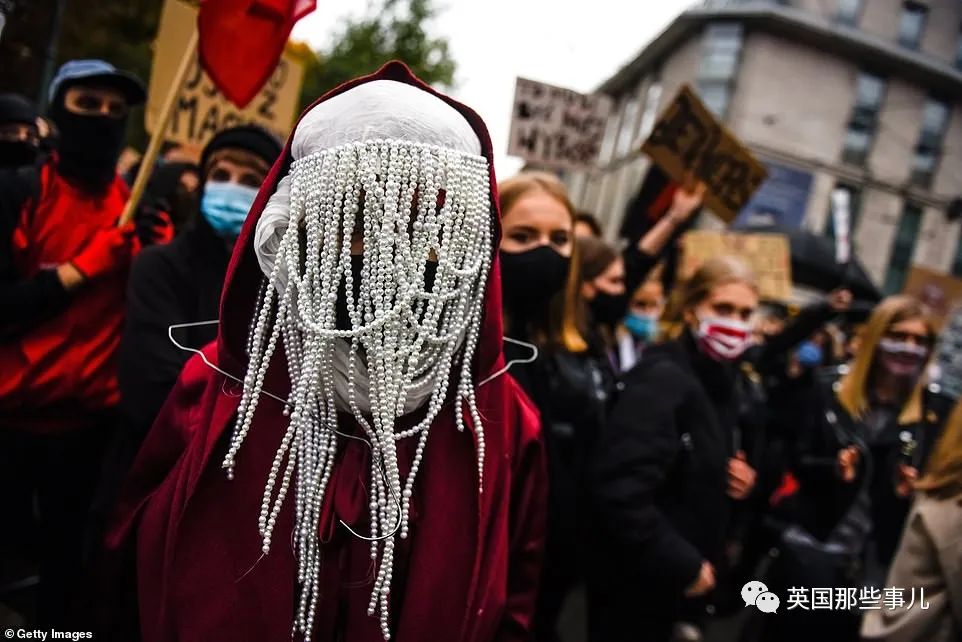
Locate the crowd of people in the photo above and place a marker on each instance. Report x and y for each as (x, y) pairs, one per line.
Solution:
(214, 419)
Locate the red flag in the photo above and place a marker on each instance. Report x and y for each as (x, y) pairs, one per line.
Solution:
(240, 41)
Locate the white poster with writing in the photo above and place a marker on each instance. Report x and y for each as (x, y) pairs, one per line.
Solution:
(557, 127)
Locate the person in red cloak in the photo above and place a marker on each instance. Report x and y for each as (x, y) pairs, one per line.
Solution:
(360, 551)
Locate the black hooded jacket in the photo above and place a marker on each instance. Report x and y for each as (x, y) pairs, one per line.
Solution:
(659, 485)
(171, 284)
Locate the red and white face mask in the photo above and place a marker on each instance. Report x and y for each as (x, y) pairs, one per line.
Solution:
(724, 339)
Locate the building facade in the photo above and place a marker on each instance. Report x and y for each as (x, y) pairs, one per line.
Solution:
(860, 94)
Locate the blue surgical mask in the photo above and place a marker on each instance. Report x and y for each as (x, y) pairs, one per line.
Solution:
(809, 354)
(225, 206)
(642, 326)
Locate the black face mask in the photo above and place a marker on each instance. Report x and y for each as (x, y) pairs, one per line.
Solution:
(89, 146)
(342, 319)
(529, 279)
(17, 154)
(608, 308)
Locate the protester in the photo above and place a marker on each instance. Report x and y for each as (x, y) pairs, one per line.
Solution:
(858, 449)
(621, 325)
(181, 282)
(608, 279)
(19, 149)
(641, 324)
(587, 226)
(173, 184)
(391, 336)
(776, 382)
(602, 287)
(62, 292)
(555, 364)
(19, 138)
(669, 465)
(174, 188)
(18, 153)
(929, 557)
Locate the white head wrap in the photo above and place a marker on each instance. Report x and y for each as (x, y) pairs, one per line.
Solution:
(398, 169)
(378, 110)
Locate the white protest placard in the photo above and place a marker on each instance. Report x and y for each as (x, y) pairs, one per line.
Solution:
(557, 127)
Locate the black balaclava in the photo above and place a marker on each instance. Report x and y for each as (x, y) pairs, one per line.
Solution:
(89, 145)
(14, 108)
(16, 154)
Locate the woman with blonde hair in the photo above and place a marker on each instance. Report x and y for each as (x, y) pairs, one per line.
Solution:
(857, 454)
(539, 263)
(668, 465)
(929, 557)
(551, 358)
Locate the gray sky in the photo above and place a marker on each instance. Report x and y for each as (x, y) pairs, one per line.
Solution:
(571, 44)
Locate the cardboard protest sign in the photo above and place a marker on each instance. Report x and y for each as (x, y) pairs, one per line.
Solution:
(201, 111)
(687, 139)
(768, 255)
(939, 292)
(557, 127)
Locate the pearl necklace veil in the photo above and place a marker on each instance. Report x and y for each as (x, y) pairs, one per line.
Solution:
(403, 168)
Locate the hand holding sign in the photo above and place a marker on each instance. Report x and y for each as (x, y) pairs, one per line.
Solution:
(686, 200)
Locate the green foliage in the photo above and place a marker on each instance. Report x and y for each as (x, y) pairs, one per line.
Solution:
(121, 33)
(393, 30)
(118, 32)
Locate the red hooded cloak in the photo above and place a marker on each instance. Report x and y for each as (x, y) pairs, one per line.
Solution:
(468, 570)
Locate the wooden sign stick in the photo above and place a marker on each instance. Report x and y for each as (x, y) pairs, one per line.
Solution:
(160, 130)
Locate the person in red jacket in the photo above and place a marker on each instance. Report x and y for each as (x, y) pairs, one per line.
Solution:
(63, 269)
(401, 468)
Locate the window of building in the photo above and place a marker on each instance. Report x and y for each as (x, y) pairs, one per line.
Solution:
(854, 206)
(869, 91)
(957, 263)
(903, 247)
(719, 64)
(848, 12)
(650, 113)
(911, 24)
(935, 118)
(958, 52)
(629, 123)
(610, 137)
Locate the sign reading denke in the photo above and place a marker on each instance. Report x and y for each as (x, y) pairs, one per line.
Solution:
(687, 140)
(557, 127)
(200, 110)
